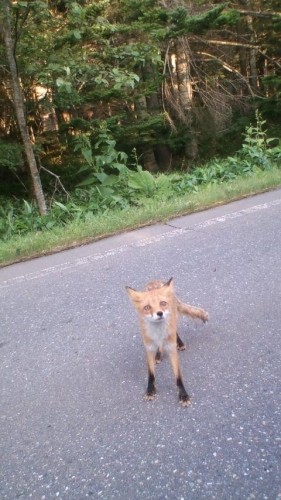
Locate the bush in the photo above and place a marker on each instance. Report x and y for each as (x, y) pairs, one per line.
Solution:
(11, 156)
(109, 182)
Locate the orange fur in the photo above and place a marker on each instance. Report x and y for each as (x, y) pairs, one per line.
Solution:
(158, 309)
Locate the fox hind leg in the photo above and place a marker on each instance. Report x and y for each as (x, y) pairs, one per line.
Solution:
(159, 355)
(180, 344)
(174, 358)
(183, 396)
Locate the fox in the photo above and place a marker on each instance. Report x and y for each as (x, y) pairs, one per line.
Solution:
(158, 308)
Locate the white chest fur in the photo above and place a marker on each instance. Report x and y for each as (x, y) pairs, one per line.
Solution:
(157, 332)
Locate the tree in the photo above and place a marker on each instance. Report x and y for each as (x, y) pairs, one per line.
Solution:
(18, 101)
(166, 78)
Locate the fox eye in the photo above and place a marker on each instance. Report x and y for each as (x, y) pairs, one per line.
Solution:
(147, 308)
(163, 303)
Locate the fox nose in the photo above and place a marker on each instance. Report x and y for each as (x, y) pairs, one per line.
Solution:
(160, 314)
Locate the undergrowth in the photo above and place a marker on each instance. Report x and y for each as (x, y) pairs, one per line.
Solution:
(110, 184)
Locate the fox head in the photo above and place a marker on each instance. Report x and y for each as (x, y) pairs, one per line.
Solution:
(154, 304)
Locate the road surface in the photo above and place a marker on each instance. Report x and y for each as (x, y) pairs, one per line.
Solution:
(73, 421)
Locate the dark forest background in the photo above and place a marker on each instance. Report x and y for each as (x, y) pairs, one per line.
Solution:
(90, 87)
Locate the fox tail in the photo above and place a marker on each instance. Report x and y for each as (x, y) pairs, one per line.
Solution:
(193, 312)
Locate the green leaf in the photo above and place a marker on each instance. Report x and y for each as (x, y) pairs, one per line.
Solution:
(27, 207)
(61, 205)
(60, 81)
(87, 182)
(84, 168)
(105, 191)
(163, 183)
(87, 153)
(111, 180)
(77, 34)
(142, 180)
(101, 176)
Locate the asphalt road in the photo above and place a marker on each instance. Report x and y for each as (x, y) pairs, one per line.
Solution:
(73, 421)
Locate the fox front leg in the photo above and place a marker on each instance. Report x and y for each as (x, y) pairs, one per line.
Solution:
(151, 389)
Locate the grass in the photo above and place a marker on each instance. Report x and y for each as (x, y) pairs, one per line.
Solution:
(103, 225)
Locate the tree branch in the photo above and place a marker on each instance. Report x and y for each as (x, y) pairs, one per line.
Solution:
(58, 181)
(253, 13)
(233, 44)
(229, 68)
(246, 46)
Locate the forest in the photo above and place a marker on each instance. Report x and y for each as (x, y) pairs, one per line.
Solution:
(106, 102)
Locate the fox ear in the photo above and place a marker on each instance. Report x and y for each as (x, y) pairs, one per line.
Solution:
(169, 282)
(133, 294)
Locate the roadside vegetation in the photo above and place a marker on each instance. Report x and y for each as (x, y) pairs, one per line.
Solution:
(106, 203)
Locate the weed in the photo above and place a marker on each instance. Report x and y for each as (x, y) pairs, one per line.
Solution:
(109, 184)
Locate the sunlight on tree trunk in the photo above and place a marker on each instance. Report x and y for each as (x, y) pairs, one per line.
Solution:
(183, 76)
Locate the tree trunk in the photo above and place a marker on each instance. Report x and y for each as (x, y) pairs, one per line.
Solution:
(19, 109)
(185, 94)
(253, 76)
(161, 151)
(148, 156)
(183, 76)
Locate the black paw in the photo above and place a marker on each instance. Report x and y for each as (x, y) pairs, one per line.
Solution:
(185, 400)
(150, 393)
(158, 357)
(181, 347)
